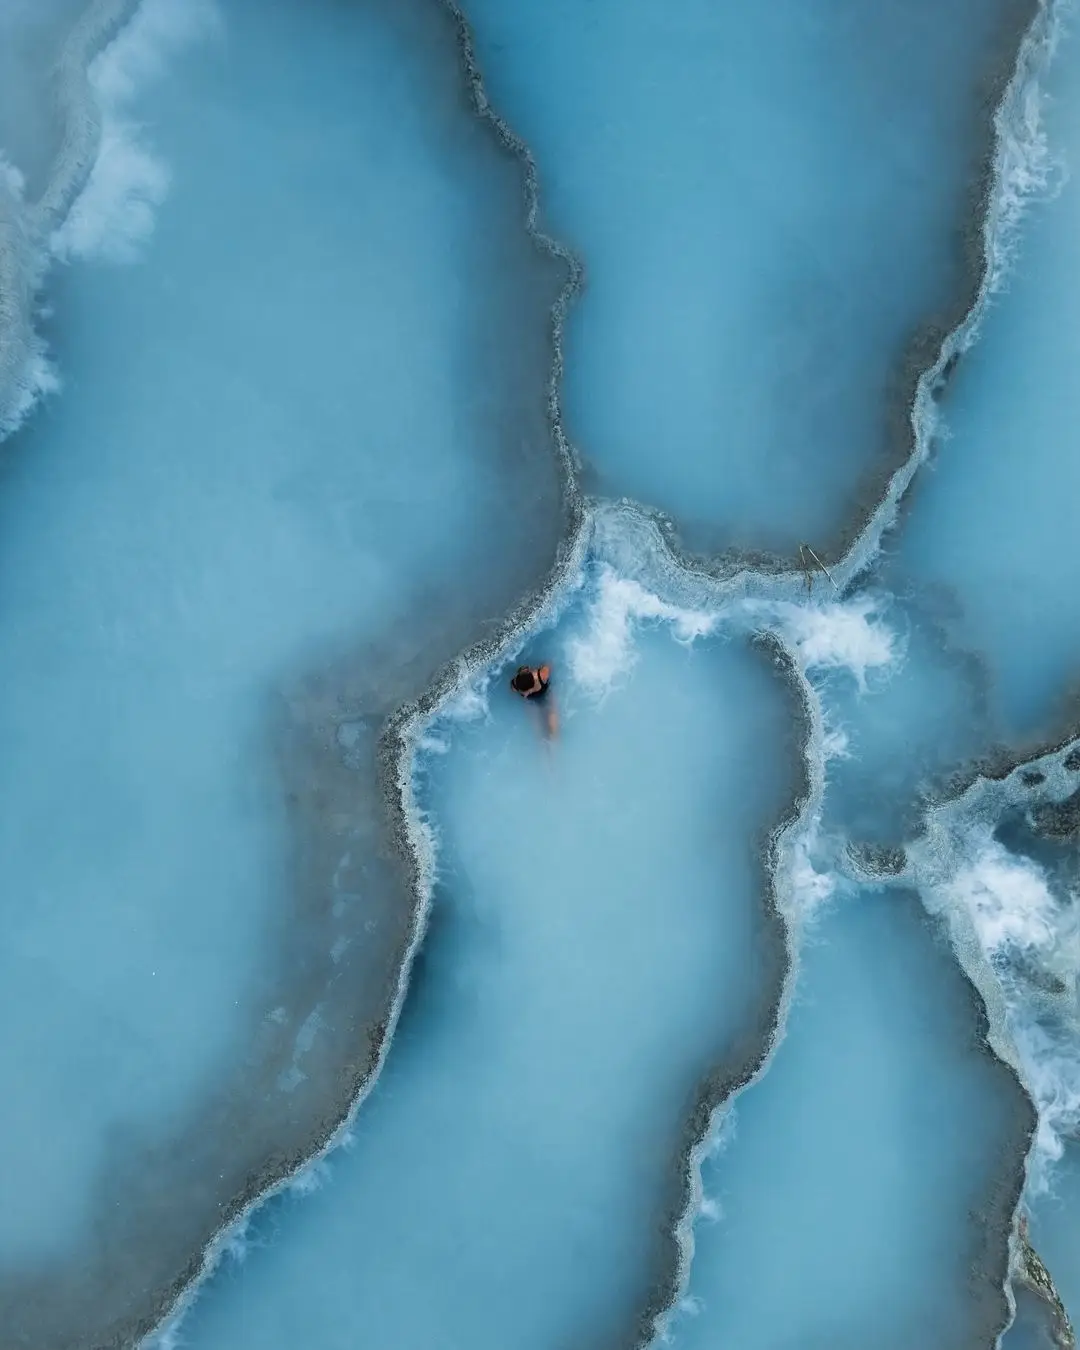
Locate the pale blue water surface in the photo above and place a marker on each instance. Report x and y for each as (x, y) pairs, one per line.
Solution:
(909, 727)
(599, 943)
(301, 460)
(770, 200)
(292, 429)
(992, 523)
(1030, 1330)
(32, 38)
(847, 1205)
(1039, 838)
(975, 579)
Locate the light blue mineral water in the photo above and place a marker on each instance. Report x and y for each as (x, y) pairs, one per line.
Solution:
(993, 524)
(1031, 1328)
(900, 732)
(32, 38)
(304, 340)
(283, 434)
(848, 1204)
(598, 944)
(770, 201)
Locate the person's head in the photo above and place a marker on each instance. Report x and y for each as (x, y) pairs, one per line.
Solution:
(524, 680)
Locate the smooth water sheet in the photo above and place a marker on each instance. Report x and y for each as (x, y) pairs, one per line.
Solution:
(857, 1199)
(777, 205)
(599, 945)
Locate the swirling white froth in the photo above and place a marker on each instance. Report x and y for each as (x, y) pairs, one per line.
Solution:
(604, 651)
(852, 636)
(113, 216)
(1027, 168)
(1027, 928)
(1008, 898)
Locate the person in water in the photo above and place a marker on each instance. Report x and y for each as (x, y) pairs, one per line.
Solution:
(530, 683)
(533, 683)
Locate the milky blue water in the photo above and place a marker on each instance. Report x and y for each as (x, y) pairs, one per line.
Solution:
(301, 460)
(1030, 1330)
(839, 1208)
(981, 565)
(1011, 415)
(598, 944)
(711, 175)
(282, 440)
(32, 36)
(908, 727)
(1007, 564)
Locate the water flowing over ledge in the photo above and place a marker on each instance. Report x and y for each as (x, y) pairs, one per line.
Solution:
(996, 861)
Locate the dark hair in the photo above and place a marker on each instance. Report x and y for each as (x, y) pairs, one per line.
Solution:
(524, 679)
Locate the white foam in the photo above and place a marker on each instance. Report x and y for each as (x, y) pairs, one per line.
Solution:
(467, 703)
(851, 636)
(722, 1134)
(1027, 168)
(710, 1210)
(835, 744)
(430, 744)
(238, 1244)
(11, 179)
(470, 701)
(604, 652)
(113, 216)
(1052, 1072)
(809, 887)
(1008, 898)
(1022, 928)
(311, 1178)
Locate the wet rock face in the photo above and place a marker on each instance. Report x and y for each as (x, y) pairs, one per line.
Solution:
(1044, 1309)
(878, 859)
(1058, 820)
